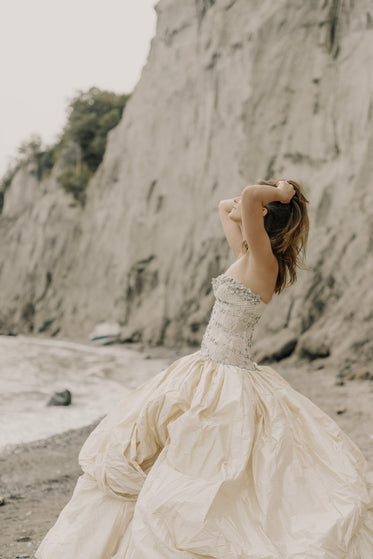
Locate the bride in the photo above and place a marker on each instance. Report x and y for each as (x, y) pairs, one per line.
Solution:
(217, 456)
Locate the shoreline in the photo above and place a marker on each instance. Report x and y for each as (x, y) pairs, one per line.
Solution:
(37, 478)
(34, 368)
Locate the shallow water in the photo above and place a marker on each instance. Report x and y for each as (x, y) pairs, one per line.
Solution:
(31, 369)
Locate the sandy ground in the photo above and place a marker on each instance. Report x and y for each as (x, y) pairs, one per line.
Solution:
(37, 479)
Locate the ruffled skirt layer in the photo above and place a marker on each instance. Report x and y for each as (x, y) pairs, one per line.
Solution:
(208, 460)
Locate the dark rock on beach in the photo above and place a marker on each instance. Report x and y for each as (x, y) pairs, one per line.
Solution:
(60, 398)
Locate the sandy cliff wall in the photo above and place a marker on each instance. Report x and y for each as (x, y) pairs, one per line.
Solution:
(233, 90)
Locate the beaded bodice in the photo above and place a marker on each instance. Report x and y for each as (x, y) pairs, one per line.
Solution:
(235, 313)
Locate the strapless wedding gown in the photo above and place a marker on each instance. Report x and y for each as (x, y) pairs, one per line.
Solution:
(217, 457)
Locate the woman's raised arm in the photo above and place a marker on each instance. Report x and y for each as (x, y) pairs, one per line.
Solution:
(231, 228)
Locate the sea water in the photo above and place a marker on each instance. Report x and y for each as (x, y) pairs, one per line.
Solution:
(31, 369)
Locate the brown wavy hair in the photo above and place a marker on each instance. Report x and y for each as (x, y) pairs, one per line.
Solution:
(287, 226)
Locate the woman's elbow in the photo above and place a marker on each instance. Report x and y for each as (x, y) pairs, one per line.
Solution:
(225, 205)
(249, 192)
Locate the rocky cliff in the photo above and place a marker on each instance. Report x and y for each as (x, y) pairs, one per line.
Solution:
(233, 90)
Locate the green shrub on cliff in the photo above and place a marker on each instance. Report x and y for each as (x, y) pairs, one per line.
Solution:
(91, 115)
(81, 146)
(44, 159)
(75, 179)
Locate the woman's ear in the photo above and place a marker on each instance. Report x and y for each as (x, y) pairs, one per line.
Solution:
(265, 211)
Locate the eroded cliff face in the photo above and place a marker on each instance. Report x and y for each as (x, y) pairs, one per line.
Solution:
(233, 90)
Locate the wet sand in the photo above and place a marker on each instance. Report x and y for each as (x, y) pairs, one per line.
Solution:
(37, 478)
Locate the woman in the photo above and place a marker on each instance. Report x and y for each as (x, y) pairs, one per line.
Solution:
(215, 456)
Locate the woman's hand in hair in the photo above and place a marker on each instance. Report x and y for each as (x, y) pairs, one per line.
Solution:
(287, 191)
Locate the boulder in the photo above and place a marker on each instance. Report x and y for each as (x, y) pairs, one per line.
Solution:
(62, 398)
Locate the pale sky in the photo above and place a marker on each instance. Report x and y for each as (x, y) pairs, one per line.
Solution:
(51, 49)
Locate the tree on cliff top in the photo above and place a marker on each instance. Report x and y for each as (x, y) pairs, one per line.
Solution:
(81, 146)
(91, 115)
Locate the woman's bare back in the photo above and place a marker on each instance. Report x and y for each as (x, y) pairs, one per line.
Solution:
(259, 279)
